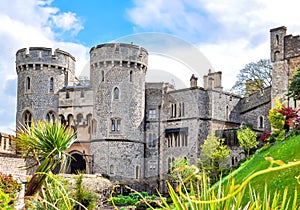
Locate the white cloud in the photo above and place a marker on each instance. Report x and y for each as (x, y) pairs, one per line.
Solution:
(67, 22)
(229, 33)
(28, 24)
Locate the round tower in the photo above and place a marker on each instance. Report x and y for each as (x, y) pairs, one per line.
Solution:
(118, 80)
(41, 74)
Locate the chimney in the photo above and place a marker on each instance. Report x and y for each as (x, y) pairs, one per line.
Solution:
(193, 81)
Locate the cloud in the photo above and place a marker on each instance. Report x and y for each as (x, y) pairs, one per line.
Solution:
(229, 33)
(28, 24)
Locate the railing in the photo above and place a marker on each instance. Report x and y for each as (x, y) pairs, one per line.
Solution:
(6, 144)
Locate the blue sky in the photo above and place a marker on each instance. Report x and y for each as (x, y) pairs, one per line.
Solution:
(228, 33)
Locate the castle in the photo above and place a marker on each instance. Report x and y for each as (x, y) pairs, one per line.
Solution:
(130, 129)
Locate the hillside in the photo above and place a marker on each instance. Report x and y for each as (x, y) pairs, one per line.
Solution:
(287, 151)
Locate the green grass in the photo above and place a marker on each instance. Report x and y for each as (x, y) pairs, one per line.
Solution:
(287, 151)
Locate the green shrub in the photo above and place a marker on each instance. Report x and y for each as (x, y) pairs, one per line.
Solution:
(4, 201)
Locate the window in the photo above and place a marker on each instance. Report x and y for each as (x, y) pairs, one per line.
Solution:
(28, 83)
(137, 172)
(152, 113)
(227, 113)
(152, 140)
(67, 94)
(260, 122)
(27, 118)
(79, 118)
(116, 93)
(182, 109)
(176, 137)
(102, 76)
(111, 169)
(115, 125)
(51, 84)
(82, 94)
(130, 76)
(50, 117)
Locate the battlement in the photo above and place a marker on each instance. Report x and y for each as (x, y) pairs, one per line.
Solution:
(121, 54)
(291, 46)
(39, 57)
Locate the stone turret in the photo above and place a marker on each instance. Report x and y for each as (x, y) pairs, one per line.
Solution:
(118, 81)
(41, 74)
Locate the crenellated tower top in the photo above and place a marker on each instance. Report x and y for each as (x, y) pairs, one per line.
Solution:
(42, 57)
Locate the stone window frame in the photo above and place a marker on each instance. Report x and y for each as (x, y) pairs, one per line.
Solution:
(51, 84)
(260, 122)
(27, 118)
(131, 76)
(79, 118)
(151, 114)
(102, 76)
(28, 84)
(152, 139)
(82, 94)
(115, 124)
(51, 116)
(137, 169)
(116, 93)
(112, 169)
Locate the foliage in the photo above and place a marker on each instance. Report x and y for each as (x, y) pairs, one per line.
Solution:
(294, 85)
(258, 73)
(9, 186)
(213, 151)
(83, 196)
(45, 143)
(276, 118)
(5, 201)
(54, 195)
(247, 138)
(133, 199)
(179, 171)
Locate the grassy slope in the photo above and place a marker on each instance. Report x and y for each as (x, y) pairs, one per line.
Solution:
(286, 151)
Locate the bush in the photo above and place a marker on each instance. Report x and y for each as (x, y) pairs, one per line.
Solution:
(9, 186)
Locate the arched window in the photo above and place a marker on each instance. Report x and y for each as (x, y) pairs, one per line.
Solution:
(116, 93)
(130, 76)
(260, 122)
(227, 113)
(102, 76)
(28, 83)
(51, 84)
(50, 117)
(79, 118)
(277, 40)
(27, 118)
(62, 119)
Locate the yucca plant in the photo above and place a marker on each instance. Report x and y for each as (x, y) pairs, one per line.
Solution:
(44, 144)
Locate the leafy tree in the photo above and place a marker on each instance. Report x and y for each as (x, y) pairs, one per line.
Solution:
(213, 151)
(294, 85)
(255, 75)
(45, 144)
(247, 139)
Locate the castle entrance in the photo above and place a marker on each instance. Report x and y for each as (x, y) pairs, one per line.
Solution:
(78, 164)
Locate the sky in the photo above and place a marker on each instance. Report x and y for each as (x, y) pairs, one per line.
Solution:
(226, 34)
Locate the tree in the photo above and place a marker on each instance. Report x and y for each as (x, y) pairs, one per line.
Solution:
(247, 139)
(45, 144)
(213, 151)
(254, 77)
(294, 85)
